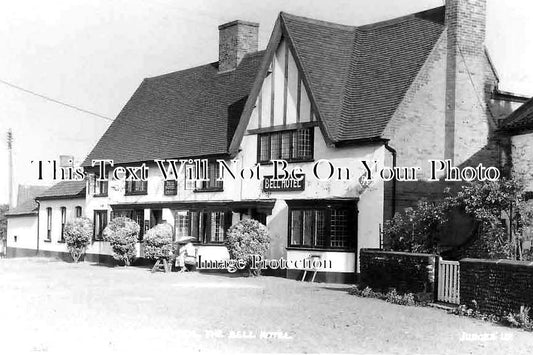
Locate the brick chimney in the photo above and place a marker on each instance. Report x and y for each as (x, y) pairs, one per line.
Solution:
(236, 39)
(466, 124)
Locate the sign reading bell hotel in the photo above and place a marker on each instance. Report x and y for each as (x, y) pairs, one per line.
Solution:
(271, 185)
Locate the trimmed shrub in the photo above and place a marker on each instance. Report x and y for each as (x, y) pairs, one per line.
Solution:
(158, 242)
(122, 233)
(246, 239)
(78, 235)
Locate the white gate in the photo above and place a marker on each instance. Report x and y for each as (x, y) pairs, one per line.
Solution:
(448, 277)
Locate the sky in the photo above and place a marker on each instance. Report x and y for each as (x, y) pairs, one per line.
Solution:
(93, 54)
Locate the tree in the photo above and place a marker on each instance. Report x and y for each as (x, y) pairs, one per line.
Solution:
(3, 221)
(78, 234)
(246, 239)
(488, 203)
(158, 242)
(416, 229)
(122, 233)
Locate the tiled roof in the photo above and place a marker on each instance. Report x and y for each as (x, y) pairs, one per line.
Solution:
(64, 189)
(359, 75)
(29, 192)
(521, 118)
(357, 78)
(29, 207)
(183, 114)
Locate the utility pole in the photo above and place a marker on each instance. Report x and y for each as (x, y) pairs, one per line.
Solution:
(10, 172)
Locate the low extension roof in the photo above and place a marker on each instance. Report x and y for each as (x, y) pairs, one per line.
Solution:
(64, 189)
(27, 208)
(519, 120)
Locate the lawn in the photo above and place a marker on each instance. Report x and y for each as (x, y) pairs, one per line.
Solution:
(55, 307)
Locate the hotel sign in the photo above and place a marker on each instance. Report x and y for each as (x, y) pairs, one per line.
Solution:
(271, 185)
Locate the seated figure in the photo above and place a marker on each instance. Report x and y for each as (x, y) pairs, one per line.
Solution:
(186, 259)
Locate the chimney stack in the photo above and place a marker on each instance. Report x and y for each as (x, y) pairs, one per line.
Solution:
(466, 78)
(236, 39)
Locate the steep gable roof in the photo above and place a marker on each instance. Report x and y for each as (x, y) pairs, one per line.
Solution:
(359, 75)
(355, 76)
(182, 114)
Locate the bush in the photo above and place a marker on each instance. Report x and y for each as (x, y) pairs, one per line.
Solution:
(486, 203)
(246, 239)
(158, 242)
(392, 296)
(122, 233)
(78, 235)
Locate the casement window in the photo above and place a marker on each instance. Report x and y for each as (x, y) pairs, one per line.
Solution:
(63, 222)
(291, 145)
(49, 223)
(323, 226)
(212, 183)
(181, 224)
(136, 187)
(100, 186)
(170, 187)
(100, 222)
(207, 227)
(78, 211)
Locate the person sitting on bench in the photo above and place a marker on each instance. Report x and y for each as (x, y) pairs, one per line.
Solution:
(186, 259)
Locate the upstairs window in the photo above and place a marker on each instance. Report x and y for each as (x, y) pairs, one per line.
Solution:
(212, 183)
(136, 187)
(291, 145)
(100, 187)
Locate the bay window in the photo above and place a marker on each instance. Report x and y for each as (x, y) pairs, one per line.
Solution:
(322, 225)
(207, 227)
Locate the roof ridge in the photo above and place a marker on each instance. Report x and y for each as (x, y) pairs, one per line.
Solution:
(181, 71)
(397, 20)
(317, 22)
(214, 64)
(383, 23)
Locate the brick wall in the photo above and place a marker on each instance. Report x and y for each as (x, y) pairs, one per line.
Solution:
(446, 113)
(406, 272)
(236, 39)
(522, 158)
(498, 286)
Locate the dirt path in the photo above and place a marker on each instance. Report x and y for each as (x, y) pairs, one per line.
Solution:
(54, 307)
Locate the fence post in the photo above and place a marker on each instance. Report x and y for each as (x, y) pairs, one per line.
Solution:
(437, 278)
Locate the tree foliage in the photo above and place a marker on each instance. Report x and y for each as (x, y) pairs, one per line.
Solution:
(3, 221)
(489, 203)
(246, 239)
(158, 242)
(78, 234)
(122, 233)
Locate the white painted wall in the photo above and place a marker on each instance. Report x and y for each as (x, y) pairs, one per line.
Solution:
(370, 203)
(25, 229)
